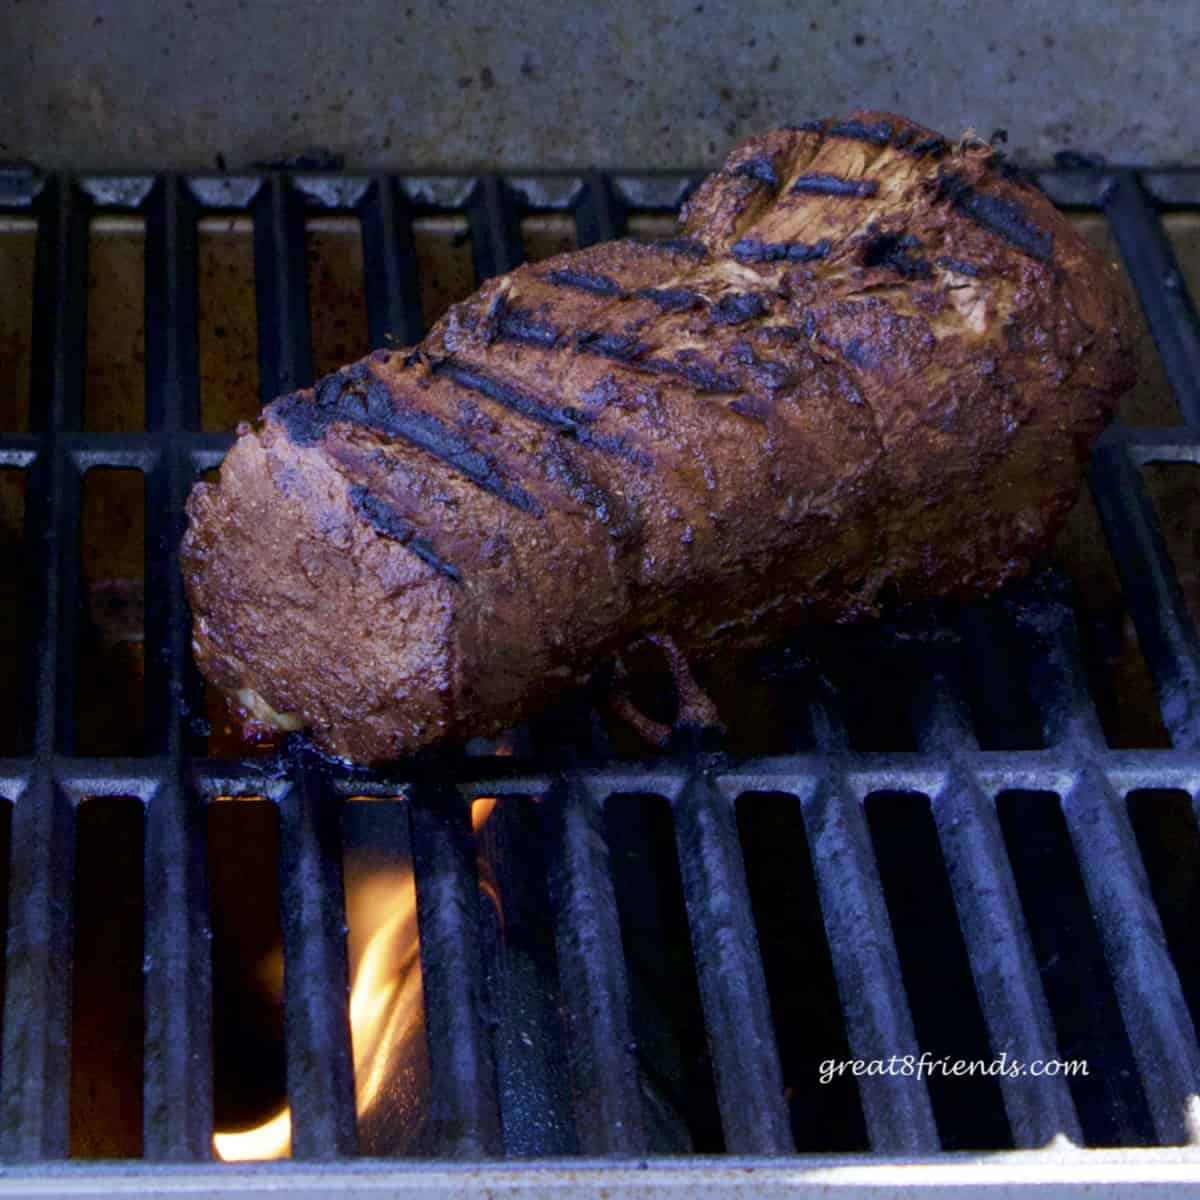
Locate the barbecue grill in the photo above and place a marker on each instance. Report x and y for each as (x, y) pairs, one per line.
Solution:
(543, 1086)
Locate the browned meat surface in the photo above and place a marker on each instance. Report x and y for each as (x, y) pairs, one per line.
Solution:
(870, 369)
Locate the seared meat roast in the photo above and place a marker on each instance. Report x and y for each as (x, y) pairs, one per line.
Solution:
(869, 370)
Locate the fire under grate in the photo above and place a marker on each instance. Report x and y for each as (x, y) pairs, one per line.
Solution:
(476, 1114)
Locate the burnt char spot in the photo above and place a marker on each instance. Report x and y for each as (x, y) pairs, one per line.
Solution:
(601, 285)
(835, 185)
(760, 168)
(957, 266)
(738, 307)
(356, 397)
(671, 299)
(620, 346)
(688, 247)
(1005, 218)
(878, 134)
(388, 523)
(807, 127)
(892, 251)
(751, 250)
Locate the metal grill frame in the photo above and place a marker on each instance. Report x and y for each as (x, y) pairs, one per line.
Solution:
(830, 785)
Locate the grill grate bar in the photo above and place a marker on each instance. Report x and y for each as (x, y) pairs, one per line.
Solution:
(177, 1099)
(463, 1107)
(495, 228)
(897, 1108)
(1151, 588)
(951, 769)
(733, 988)
(172, 299)
(320, 1073)
(1001, 954)
(389, 261)
(599, 215)
(33, 1083)
(1152, 1004)
(592, 976)
(1161, 289)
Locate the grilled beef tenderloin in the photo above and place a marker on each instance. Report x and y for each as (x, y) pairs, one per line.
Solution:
(870, 368)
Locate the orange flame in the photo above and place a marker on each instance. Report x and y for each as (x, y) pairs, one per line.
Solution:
(385, 996)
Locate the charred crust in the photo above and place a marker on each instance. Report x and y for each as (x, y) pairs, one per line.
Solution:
(517, 325)
(689, 366)
(752, 250)
(621, 347)
(835, 185)
(935, 147)
(691, 248)
(671, 299)
(584, 281)
(878, 134)
(1005, 218)
(388, 523)
(760, 168)
(357, 397)
(563, 418)
(615, 515)
(738, 307)
(891, 251)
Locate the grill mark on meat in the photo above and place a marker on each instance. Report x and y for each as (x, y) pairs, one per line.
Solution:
(690, 367)
(760, 168)
(738, 307)
(878, 134)
(518, 325)
(691, 248)
(572, 422)
(621, 347)
(619, 519)
(565, 419)
(356, 397)
(957, 266)
(671, 299)
(599, 285)
(388, 523)
(891, 250)
(627, 349)
(835, 185)
(1005, 218)
(752, 250)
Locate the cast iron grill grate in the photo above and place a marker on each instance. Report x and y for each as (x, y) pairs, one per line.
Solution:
(829, 783)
